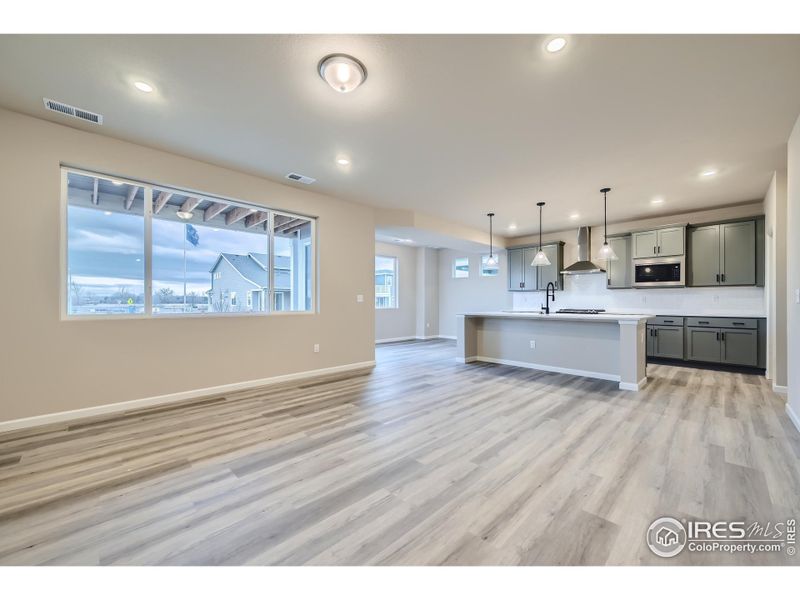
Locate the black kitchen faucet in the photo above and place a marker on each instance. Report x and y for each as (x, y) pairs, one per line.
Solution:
(549, 295)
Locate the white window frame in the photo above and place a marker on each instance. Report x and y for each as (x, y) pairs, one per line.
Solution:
(147, 187)
(455, 271)
(395, 282)
(496, 268)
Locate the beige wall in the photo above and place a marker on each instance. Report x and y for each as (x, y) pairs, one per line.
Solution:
(48, 365)
(400, 322)
(775, 225)
(427, 292)
(793, 271)
(475, 293)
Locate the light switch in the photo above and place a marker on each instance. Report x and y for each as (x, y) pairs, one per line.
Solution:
(360, 298)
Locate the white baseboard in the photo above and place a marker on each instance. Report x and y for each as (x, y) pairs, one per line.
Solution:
(81, 413)
(793, 416)
(552, 369)
(447, 337)
(633, 387)
(780, 389)
(413, 337)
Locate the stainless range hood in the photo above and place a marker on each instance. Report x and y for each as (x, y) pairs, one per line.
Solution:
(584, 264)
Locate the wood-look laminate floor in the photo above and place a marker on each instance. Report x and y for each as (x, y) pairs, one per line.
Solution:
(421, 461)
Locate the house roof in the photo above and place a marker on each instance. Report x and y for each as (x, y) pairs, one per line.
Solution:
(253, 267)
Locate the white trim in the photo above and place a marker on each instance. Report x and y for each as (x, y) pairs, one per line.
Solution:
(81, 413)
(447, 337)
(793, 416)
(780, 389)
(552, 369)
(633, 387)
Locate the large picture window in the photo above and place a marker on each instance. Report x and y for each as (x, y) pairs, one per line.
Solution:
(137, 249)
(385, 282)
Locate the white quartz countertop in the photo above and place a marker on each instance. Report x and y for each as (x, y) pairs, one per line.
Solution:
(691, 312)
(606, 317)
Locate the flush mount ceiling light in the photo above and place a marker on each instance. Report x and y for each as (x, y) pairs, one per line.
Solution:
(606, 252)
(557, 44)
(540, 260)
(492, 260)
(184, 215)
(342, 72)
(143, 86)
(342, 161)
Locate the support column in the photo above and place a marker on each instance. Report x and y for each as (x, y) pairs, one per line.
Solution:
(632, 354)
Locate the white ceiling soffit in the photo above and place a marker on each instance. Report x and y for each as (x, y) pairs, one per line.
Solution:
(453, 125)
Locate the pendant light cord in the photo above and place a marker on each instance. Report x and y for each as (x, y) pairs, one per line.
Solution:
(605, 217)
(540, 228)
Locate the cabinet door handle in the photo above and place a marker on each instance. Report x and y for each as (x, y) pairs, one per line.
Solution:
(717, 277)
(723, 277)
(659, 249)
(703, 322)
(718, 336)
(668, 321)
(723, 336)
(737, 323)
(654, 250)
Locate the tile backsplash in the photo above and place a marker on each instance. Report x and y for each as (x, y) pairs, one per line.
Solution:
(589, 291)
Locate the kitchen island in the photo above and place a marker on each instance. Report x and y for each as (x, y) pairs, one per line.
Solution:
(603, 346)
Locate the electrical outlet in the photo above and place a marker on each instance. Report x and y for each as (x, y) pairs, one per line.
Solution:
(644, 299)
(360, 298)
(797, 296)
(316, 347)
(533, 344)
(716, 298)
(427, 325)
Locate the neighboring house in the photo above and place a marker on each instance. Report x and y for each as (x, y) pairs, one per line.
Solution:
(384, 288)
(240, 283)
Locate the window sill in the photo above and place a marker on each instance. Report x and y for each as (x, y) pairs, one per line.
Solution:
(140, 317)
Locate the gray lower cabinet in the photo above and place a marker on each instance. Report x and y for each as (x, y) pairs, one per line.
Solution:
(703, 344)
(619, 272)
(668, 341)
(739, 347)
(723, 254)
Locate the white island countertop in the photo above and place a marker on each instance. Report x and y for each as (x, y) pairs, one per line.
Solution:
(605, 317)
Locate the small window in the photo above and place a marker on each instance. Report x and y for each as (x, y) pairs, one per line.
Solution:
(385, 282)
(249, 299)
(461, 268)
(488, 270)
(234, 302)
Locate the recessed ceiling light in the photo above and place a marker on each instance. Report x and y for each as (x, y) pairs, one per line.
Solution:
(107, 213)
(143, 86)
(708, 173)
(342, 72)
(403, 240)
(343, 161)
(138, 260)
(574, 216)
(657, 201)
(556, 44)
(115, 182)
(184, 215)
(512, 227)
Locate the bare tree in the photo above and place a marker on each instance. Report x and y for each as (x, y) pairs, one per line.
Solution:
(165, 296)
(222, 302)
(76, 290)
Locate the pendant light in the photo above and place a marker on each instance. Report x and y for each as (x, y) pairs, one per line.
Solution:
(606, 252)
(492, 260)
(540, 260)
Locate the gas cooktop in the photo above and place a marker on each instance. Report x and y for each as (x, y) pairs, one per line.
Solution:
(581, 311)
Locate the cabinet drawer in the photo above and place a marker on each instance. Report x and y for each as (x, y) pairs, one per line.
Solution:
(666, 321)
(731, 323)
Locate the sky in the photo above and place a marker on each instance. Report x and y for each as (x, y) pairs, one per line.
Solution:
(106, 251)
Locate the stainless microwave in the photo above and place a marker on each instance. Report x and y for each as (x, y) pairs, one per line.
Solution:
(659, 272)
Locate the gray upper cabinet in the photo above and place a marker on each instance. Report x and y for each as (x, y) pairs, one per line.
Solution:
(531, 280)
(552, 273)
(516, 276)
(620, 272)
(645, 244)
(668, 241)
(738, 253)
(523, 277)
(723, 254)
(703, 246)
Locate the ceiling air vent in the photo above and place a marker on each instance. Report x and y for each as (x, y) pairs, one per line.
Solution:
(73, 111)
(300, 178)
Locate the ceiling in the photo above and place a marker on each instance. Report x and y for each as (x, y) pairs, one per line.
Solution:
(449, 125)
